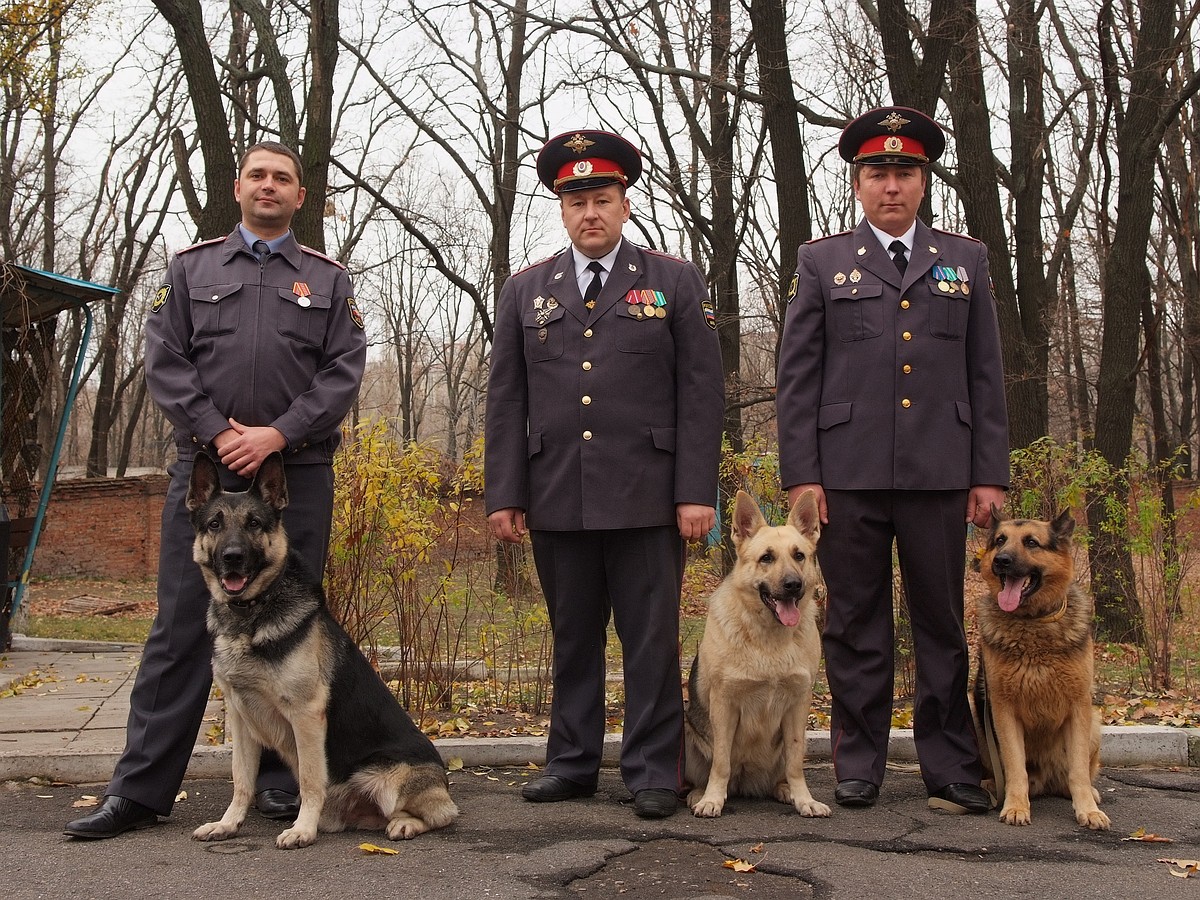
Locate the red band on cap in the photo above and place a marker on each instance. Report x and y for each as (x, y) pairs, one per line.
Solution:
(589, 168)
(891, 145)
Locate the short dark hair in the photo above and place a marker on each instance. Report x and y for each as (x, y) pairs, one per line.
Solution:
(274, 147)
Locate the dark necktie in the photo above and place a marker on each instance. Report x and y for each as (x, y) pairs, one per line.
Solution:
(261, 250)
(898, 249)
(593, 289)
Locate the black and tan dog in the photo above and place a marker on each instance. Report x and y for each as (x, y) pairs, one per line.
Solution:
(751, 683)
(295, 682)
(1035, 678)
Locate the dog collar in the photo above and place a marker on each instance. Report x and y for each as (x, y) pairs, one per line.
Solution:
(242, 604)
(1054, 616)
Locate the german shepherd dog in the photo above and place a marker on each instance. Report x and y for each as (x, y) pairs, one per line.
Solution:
(296, 683)
(1035, 670)
(750, 687)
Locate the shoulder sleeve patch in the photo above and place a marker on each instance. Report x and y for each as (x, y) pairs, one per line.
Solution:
(710, 313)
(160, 298)
(356, 315)
(792, 288)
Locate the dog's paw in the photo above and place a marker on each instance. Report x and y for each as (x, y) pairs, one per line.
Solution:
(294, 838)
(1015, 815)
(811, 808)
(1093, 819)
(405, 828)
(214, 831)
(708, 807)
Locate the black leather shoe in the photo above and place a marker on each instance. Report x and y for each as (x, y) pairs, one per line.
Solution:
(655, 803)
(116, 815)
(273, 803)
(970, 797)
(552, 788)
(856, 792)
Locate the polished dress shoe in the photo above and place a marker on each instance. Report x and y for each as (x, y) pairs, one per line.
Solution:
(856, 792)
(552, 788)
(970, 797)
(116, 815)
(273, 803)
(655, 803)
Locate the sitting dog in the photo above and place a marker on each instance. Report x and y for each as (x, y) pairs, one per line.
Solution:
(751, 683)
(295, 682)
(1035, 670)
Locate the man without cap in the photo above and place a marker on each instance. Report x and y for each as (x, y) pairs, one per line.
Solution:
(603, 437)
(891, 407)
(254, 344)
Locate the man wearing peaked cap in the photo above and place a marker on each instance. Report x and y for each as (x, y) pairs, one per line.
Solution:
(890, 403)
(603, 437)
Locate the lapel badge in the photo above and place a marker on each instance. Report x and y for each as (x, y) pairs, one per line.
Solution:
(558, 276)
(855, 276)
(538, 301)
(632, 267)
(551, 303)
(862, 251)
(839, 278)
(932, 249)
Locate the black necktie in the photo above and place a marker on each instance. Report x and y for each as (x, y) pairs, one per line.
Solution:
(593, 289)
(261, 250)
(898, 249)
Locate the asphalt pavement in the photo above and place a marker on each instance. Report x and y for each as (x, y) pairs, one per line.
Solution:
(63, 728)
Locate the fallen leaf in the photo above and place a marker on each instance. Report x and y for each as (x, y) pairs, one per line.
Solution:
(454, 764)
(1183, 868)
(44, 796)
(85, 801)
(757, 848)
(372, 848)
(1147, 837)
(739, 865)
(182, 795)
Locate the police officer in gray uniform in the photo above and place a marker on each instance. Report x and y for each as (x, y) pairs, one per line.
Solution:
(603, 438)
(254, 344)
(891, 406)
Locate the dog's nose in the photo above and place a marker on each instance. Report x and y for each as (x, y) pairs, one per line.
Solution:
(793, 584)
(232, 556)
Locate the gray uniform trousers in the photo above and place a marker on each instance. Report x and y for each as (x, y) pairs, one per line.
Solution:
(635, 575)
(173, 681)
(855, 552)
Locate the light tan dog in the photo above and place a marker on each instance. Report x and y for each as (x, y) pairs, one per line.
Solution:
(1035, 676)
(751, 683)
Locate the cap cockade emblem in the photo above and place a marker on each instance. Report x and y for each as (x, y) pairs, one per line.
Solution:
(578, 143)
(582, 168)
(893, 121)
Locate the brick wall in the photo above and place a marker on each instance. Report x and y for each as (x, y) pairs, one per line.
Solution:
(102, 528)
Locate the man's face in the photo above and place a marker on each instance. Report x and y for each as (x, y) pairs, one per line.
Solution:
(269, 193)
(890, 195)
(594, 218)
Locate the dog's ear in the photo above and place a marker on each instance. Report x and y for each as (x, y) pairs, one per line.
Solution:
(1063, 526)
(270, 482)
(805, 516)
(205, 482)
(747, 518)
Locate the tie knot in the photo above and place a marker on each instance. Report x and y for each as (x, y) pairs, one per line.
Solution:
(897, 246)
(260, 249)
(594, 266)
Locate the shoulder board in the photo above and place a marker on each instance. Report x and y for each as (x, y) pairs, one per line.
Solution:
(956, 234)
(534, 265)
(661, 255)
(317, 253)
(826, 237)
(216, 240)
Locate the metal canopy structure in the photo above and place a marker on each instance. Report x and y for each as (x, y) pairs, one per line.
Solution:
(27, 297)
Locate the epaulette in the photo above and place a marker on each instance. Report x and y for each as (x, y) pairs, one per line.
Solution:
(317, 253)
(216, 240)
(534, 265)
(826, 237)
(663, 255)
(957, 234)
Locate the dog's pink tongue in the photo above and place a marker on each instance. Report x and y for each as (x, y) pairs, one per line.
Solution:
(788, 613)
(233, 583)
(1009, 597)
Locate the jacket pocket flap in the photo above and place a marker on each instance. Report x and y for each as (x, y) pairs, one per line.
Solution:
(211, 293)
(855, 292)
(313, 301)
(833, 414)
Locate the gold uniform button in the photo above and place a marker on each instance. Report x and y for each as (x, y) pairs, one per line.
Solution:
(907, 369)
(907, 335)
(587, 333)
(906, 403)
(904, 304)
(587, 401)
(587, 435)
(587, 366)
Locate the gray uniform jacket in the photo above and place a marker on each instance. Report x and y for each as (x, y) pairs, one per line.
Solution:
(887, 382)
(276, 343)
(604, 418)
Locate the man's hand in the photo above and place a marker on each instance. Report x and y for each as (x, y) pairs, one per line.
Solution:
(796, 490)
(508, 524)
(243, 448)
(695, 520)
(979, 503)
